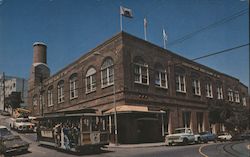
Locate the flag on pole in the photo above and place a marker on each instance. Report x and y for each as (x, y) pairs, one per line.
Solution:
(145, 28)
(165, 37)
(145, 22)
(126, 12)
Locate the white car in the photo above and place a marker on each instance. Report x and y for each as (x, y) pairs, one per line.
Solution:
(22, 124)
(224, 136)
(10, 142)
(181, 135)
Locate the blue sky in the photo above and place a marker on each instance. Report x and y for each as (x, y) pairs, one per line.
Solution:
(71, 28)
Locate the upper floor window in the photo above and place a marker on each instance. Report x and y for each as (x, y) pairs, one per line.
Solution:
(219, 92)
(107, 72)
(161, 77)
(141, 73)
(60, 91)
(237, 96)
(244, 101)
(34, 101)
(196, 87)
(90, 80)
(180, 83)
(50, 96)
(73, 86)
(41, 103)
(230, 95)
(209, 90)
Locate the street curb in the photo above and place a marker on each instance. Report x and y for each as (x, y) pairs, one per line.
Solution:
(129, 146)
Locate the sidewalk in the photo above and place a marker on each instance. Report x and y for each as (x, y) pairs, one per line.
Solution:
(142, 145)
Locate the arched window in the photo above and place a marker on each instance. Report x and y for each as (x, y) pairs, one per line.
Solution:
(90, 80)
(73, 86)
(140, 71)
(50, 96)
(161, 76)
(230, 95)
(236, 96)
(219, 90)
(107, 72)
(34, 100)
(60, 91)
(41, 103)
(209, 88)
(180, 80)
(196, 85)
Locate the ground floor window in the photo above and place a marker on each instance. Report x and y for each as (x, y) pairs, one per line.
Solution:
(199, 116)
(186, 115)
(166, 122)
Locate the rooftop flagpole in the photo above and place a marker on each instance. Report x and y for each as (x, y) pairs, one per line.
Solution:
(164, 38)
(121, 18)
(145, 28)
(125, 12)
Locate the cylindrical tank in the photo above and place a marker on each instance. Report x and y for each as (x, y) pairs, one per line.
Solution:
(40, 54)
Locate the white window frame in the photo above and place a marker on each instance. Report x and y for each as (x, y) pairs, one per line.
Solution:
(219, 93)
(237, 96)
(209, 90)
(60, 89)
(230, 95)
(180, 81)
(73, 87)
(196, 85)
(41, 102)
(141, 76)
(244, 101)
(34, 101)
(50, 97)
(109, 71)
(160, 80)
(90, 80)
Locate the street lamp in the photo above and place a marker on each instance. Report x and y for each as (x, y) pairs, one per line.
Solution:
(41, 96)
(114, 100)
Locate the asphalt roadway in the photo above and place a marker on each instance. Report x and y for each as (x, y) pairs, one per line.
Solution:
(219, 149)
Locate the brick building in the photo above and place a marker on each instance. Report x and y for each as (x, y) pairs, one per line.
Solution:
(154, 90)
(12, 85)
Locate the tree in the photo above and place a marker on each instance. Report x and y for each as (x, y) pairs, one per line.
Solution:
(14, 100)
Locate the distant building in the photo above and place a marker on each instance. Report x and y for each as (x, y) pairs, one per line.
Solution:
(154, 90)
(12, 85)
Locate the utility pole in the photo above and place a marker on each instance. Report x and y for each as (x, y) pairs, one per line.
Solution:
(3, 91)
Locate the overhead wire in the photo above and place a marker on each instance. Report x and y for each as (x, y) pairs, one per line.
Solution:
(217, 23)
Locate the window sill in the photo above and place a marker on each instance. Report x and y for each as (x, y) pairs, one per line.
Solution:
(145, 84)
(50, 105)
(209, 97)
(61, 102)
(199, 95)
(219, 98)
(161, 87)
(106, 86)
(184, 92)
(74, 98)
(89, 92)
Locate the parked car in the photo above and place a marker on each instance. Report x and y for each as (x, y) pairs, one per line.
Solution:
(207, 136)
(237, 137)
(10, 142)
(4, 113)
(246, 135)
(224, 136)
(241, 136)
(180, 136)
(22, 124)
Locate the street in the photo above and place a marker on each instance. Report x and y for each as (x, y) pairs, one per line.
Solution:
(225, 149)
